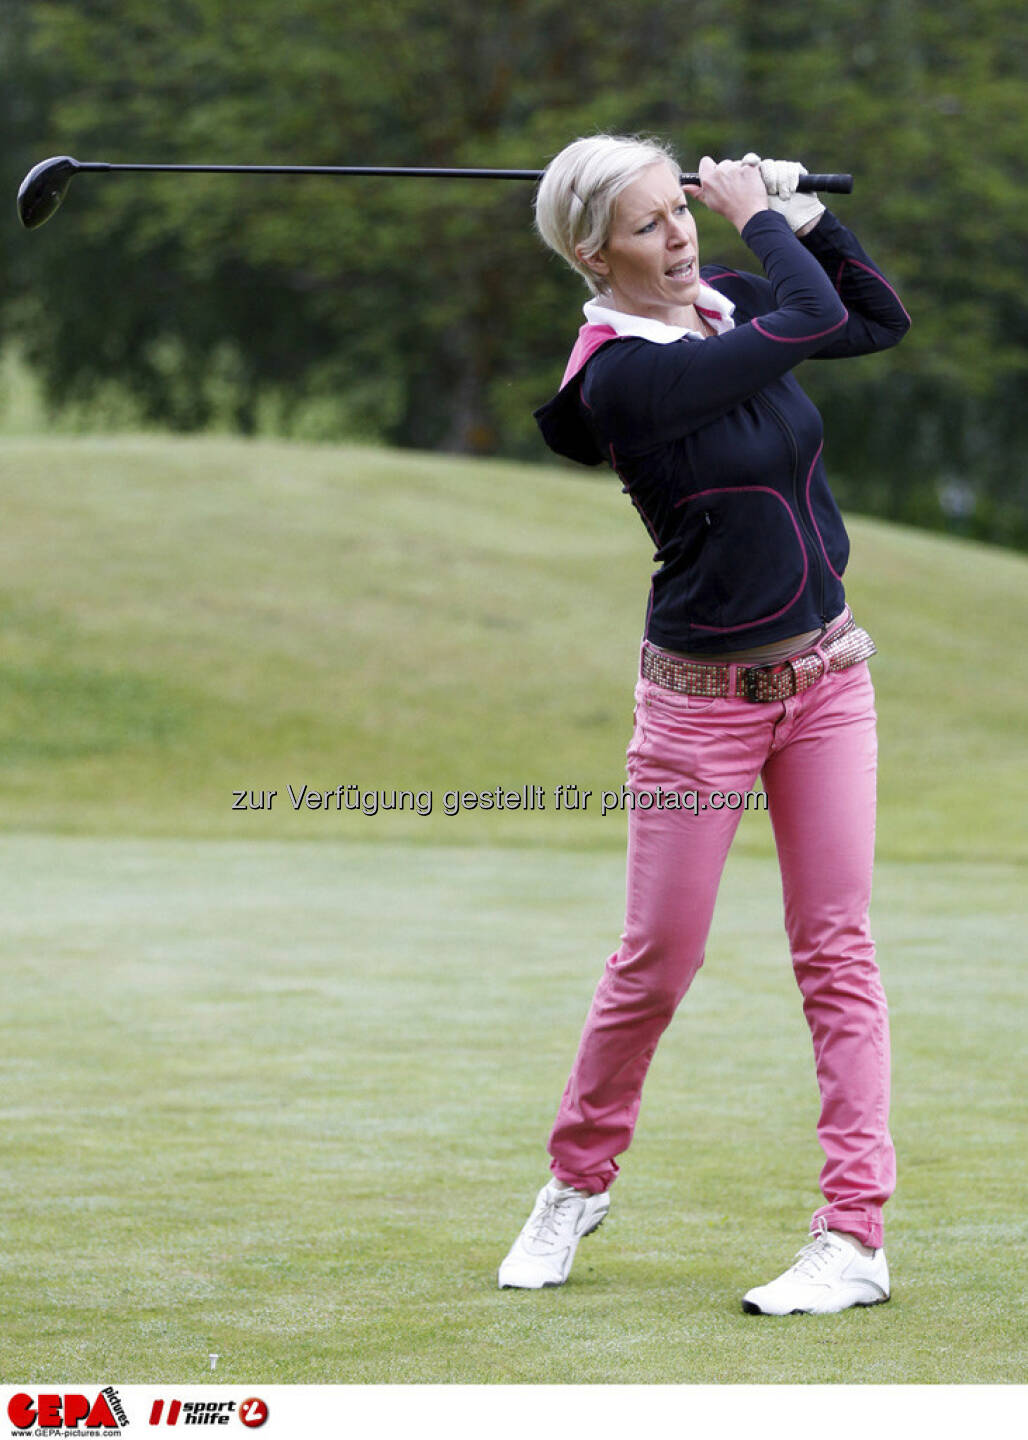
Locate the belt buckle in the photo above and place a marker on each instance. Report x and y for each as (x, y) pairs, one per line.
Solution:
(752, 676)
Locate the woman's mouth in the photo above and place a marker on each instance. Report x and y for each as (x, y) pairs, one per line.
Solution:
(684, 270)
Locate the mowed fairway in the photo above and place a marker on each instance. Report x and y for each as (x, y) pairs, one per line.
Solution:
(276, 1085)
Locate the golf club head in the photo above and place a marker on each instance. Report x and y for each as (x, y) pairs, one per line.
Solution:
(43, 189)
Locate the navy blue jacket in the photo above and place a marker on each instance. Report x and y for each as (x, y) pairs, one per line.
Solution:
(718, 447)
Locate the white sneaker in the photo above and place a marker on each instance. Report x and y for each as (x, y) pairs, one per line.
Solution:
(543, 1252)
(829, 1275)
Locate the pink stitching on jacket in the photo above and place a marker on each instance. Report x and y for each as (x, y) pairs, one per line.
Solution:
(810, 512)
(763, 619)
(847, 260)
(798, 339)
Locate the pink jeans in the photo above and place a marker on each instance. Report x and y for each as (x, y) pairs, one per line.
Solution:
(817, 755)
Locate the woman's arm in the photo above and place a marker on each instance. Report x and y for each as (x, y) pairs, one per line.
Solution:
(877, 319)
(642, 394)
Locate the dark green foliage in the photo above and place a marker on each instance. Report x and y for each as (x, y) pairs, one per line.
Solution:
(427, 314)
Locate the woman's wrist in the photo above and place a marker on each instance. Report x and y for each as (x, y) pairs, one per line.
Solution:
(742, 218)
(756, 215)
(810, 225)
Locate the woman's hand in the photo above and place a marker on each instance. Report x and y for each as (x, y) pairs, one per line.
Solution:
(781, 181)
(731, 189)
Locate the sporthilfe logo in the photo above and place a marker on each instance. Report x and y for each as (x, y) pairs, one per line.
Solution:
(252, 1412)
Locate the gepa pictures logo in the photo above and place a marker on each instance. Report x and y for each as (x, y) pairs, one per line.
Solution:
(68, 1413)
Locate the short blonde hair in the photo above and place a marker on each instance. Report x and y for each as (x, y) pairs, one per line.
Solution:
(574, 205)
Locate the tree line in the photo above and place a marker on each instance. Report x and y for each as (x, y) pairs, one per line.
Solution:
(426, 314)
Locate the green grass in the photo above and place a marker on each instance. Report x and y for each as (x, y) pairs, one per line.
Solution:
(277, 1084)
(182, 619)
(288, 1103)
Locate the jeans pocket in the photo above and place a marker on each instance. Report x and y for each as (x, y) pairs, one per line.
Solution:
(673, 705)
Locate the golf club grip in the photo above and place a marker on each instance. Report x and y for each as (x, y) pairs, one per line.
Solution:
(832, 184)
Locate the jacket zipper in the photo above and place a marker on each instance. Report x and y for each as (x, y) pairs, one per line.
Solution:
(808, 537)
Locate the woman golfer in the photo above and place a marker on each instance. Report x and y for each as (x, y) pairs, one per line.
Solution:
(752, 666)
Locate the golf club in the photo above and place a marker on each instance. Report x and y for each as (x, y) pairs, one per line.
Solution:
(46, 184)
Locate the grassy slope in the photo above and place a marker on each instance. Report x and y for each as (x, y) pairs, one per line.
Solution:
(185, 618)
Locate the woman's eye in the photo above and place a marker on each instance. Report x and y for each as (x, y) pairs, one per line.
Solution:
(647, 228)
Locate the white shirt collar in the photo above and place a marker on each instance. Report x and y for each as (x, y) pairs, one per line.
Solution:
(715, 307)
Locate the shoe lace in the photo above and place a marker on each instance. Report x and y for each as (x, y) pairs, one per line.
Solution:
(815, 1255)
(547, 1223)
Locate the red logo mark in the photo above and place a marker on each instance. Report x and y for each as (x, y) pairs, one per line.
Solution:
(253, 1412)
(158, 1408)
(52, 1412)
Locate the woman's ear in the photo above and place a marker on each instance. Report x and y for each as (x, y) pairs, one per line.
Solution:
(595, 263)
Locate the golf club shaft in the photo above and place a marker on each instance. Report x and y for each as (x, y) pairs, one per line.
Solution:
(837, 184)
(441, 173)
(46, 184)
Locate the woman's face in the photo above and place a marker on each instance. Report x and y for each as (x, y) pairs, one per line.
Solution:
(651, 262)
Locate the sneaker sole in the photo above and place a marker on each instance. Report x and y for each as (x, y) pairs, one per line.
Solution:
(556, 1284)
(749, 1308)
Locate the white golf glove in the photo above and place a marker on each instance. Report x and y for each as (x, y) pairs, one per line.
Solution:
(780, 179)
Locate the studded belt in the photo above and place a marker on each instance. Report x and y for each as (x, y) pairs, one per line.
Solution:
(722, 680)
